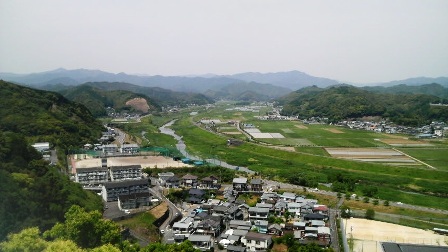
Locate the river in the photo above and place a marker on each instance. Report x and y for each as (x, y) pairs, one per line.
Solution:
(182, 148)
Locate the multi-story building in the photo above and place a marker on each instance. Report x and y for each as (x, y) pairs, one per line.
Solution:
(129, 148)
(111, 190)
(134, 200)
(92, 176)
(125, 172)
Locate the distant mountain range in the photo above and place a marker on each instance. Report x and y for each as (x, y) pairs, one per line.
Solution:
(243, 86)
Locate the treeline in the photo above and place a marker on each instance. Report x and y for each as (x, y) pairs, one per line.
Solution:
(33, 193)
(81, 231)
(46, 116)
(348, 102)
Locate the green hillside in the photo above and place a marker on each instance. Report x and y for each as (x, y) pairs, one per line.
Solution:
(46, 116)
(429, 89)
(161, 96)
(97, 100)
(33, 193)
(347, 102)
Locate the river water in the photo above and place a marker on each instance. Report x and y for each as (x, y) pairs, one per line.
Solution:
(182, 148)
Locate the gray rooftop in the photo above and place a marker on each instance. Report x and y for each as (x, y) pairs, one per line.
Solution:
(200, 238)
(240, 180)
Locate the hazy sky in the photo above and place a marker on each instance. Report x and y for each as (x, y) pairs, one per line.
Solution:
(353, 41)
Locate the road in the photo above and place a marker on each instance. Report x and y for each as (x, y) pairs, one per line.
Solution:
(174, 212)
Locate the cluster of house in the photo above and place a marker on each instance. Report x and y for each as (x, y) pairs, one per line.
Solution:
(125, 184)
(239, 227)
(435, 129)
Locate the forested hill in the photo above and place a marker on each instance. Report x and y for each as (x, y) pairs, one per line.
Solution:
(97, 100)
(429, 89)
(163, 97)
(348, 102)
(33, 193)
(44, 116)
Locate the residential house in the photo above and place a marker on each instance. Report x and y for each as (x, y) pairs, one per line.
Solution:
(275, 229)
(288, 196)
(294, 209)
(315, 216)
(195, 195)
(189, 180)
(256, 185)
(41, 147)
(317, 223)
(134, 200)
(111, 190)
(256, 241)
(210, 182)
(280, 207)
(261, 226)
(240, 224)
(323, 233)
(269, 197)
(184, 226)
(172, 182)
(201, 242)
(322, 209)
(163, 176)
(235, 248)
(209, 227)
(299, 225)
(240, 184)
(257, 213)
(92, 176)
(125, 172)
(266, 205)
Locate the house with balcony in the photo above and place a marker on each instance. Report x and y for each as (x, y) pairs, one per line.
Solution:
(258, 213)
(294, 208)
(256, 241)
(210, 182)
(184, 226)
(126, 172)
(92, 176)
(239, 184)
(189, 180)
(172, 182)
(111, 190)
(256, 185)
(261, 226)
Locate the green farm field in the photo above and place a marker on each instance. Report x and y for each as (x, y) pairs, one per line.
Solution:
(410, 184)
(318, 134)
(436, 157)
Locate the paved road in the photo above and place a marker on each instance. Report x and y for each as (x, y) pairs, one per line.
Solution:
(174, 212)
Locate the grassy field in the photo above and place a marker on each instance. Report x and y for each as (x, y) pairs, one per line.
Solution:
(406, 184)
(436, 157)
(409, 184)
